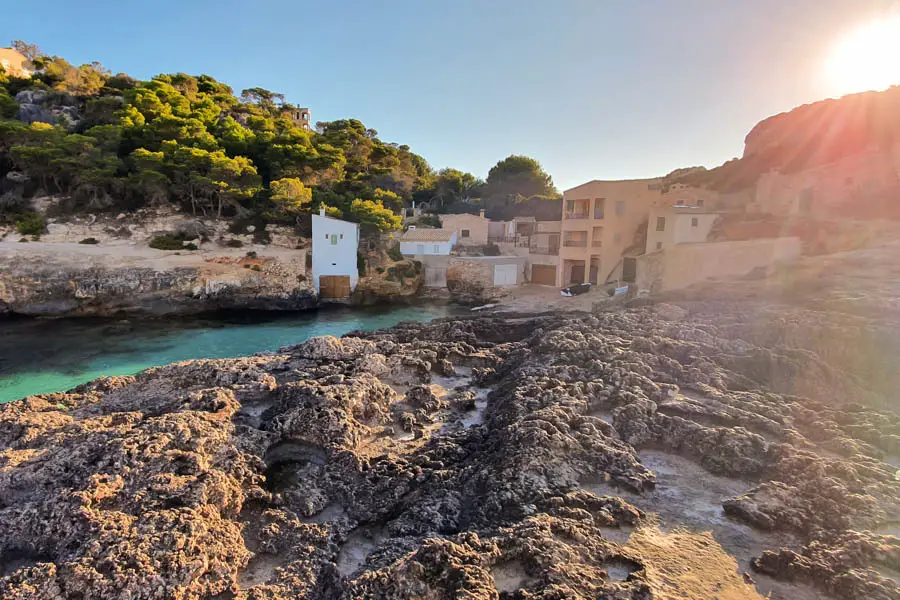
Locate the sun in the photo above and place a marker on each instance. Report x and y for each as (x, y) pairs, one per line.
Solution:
(867, 58)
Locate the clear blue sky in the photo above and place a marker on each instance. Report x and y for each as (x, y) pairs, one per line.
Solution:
(593, 89)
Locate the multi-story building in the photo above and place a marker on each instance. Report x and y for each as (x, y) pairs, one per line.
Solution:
(600, 221)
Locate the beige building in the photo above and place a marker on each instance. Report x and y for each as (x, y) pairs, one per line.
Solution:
(678, 224)
(471, 230)
(602, 219)
(14, 62)
(864, 185)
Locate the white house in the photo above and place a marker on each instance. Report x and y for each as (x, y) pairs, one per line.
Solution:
(334, 247)
(427, 242)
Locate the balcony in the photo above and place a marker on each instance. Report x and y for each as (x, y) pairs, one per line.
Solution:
(598, 214)
(577, 215)
(597, 244)
(575, 243)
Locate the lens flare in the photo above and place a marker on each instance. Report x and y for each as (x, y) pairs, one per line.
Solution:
(867, 58)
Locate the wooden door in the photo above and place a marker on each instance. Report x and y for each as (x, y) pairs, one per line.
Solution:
(629, 269)
(543, 274)
(577, 274)
(334, 286)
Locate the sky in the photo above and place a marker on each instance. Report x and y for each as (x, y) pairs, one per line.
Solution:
(593, 89)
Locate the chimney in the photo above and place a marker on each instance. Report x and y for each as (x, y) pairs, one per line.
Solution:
(321, 211)
(481, 213)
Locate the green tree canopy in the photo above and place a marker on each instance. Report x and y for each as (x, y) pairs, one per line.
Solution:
(519, 177)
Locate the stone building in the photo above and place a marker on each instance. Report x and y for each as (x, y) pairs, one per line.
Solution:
(471, 230)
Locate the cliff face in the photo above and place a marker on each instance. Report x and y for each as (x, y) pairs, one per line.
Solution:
(74, 280)
(826, 131)
(859, 128)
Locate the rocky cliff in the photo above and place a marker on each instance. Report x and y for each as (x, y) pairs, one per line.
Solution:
(57, 274)
(807, 137)
(76, 280)
(825, 131)
(652, 453)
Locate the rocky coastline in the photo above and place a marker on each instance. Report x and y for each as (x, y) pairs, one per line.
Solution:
(634, 454)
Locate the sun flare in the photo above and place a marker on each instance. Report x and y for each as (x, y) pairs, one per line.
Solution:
(867, 58)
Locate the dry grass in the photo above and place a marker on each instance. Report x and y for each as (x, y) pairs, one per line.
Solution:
(689, 566)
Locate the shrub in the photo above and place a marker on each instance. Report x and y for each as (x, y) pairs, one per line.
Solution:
(168, 242)
(430, 221)
(31, 224)
(89, 241)
(23, 240)
(234, 243)
(191, 246)
(379, 269)
(492, 250)
(394, 253)
(360, 264)
(251, 254)
(256, 268)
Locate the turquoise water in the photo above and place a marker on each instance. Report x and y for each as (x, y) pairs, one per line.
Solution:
(42, 356)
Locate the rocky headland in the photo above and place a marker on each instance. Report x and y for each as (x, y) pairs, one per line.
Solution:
(700, 449)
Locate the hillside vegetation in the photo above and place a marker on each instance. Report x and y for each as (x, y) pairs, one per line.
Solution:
(111, 142)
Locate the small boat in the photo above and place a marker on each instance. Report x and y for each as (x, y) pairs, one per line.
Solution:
(485, 307)
(575, 290)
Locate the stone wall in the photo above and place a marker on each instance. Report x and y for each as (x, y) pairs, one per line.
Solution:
(471, 279)
(683, 265)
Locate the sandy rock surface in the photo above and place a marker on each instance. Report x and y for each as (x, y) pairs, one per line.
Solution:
(616, 455)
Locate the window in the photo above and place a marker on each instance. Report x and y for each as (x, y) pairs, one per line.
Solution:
(659, 245)
(465, 233)
(694, 222)
(570, 206)
(334, 239)
(342, 236)
(617, 237)
(599, 206)
(679, 202)
(699, 202)
(437, 249)
(620, 208)
(660, 223)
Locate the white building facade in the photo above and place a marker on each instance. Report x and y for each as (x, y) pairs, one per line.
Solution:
(334, 247)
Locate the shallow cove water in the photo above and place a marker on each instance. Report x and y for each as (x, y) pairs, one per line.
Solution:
(42, 356)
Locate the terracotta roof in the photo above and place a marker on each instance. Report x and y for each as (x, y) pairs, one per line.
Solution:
(428, 235)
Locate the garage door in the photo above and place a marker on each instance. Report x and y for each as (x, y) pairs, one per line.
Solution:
(435, 277)
(543, 274)
(334, 286)
(505, 274)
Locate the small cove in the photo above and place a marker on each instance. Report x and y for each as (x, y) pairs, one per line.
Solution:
(40, 356)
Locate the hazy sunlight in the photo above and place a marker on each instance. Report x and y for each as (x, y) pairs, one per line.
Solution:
(867, 58)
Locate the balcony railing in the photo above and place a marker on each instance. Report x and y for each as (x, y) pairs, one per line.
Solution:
(596, 244)
(576, 215)
(546, 250)
(502, 239)
(575, 243)
(598, 214)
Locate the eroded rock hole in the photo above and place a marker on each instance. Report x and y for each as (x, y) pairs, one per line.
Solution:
(288, 464)
(13, 559)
